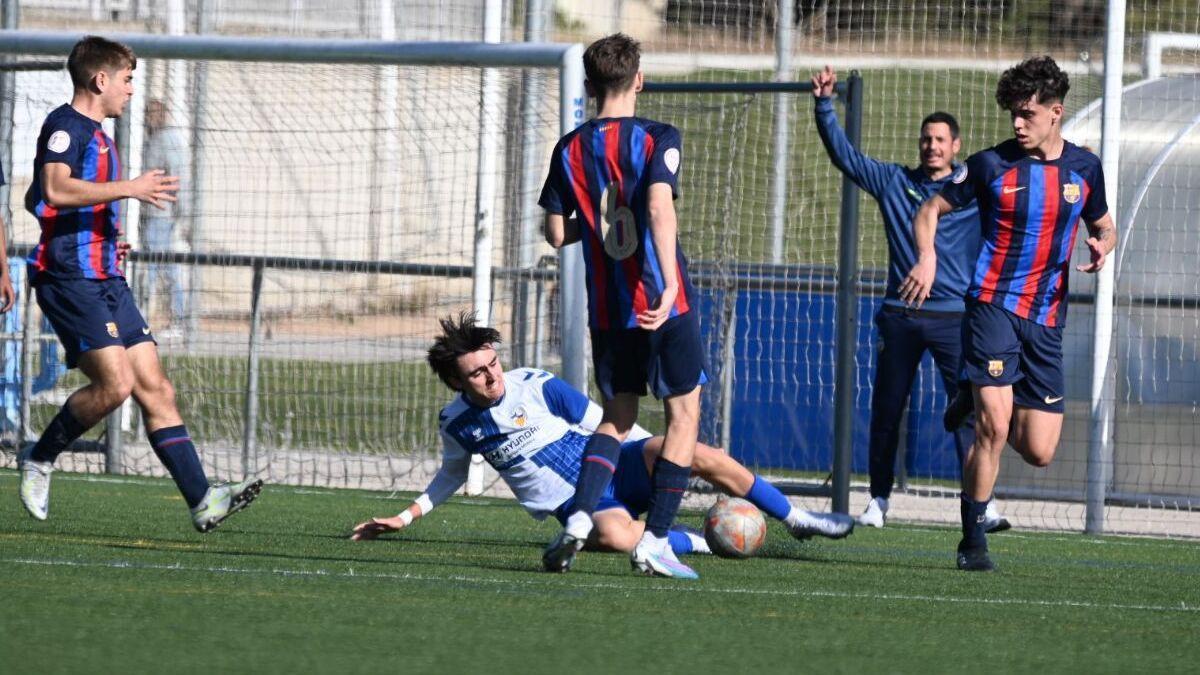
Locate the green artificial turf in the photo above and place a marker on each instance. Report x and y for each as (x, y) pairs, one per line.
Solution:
(117, 581)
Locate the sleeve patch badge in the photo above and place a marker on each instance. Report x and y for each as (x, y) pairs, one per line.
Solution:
(960, 175)
(671, 159)
(59, 141)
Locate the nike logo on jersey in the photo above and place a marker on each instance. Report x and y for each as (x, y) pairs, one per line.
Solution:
(103, 149)
(1052, 401)
(1010, 190)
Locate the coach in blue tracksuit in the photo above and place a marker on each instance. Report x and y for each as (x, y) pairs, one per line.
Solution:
(905, 334)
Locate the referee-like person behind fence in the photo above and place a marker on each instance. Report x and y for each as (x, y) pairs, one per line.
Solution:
(906, 333)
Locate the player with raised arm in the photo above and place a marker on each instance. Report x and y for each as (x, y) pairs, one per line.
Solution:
(905, 334)
(76, 271)
(1032, 191)
(532, 428)
(619, 175)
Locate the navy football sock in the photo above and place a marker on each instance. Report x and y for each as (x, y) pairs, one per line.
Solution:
(768, 498)
(670, 481)
(973, 522)
(175, 450)
(63, 429)
(600, 457)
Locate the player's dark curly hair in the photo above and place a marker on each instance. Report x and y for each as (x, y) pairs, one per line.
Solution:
(93, 54)
(460, 335)
(611, 63)
(1039, 76)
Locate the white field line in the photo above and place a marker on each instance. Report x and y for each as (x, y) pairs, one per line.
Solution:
(1135, 540)
(530, 583)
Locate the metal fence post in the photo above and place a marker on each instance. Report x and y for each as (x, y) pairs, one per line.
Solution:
(845, 382)
(250, 431)
(113, 439)
(1100, 441)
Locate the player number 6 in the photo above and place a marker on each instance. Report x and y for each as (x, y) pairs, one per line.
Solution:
(618, 228)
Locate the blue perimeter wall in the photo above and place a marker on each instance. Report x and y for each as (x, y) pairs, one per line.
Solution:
(783, 385)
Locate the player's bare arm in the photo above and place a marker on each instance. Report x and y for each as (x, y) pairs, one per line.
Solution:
(919, 282)
(7, 295)
(664, 228)
(63, 191)
(561, 231)
(1100, 244)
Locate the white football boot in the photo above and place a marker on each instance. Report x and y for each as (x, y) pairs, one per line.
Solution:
(993, 521)
(35, 485)
(224, 500)
(653, 557)
(804, 524)
(560, 552)
(876, 513)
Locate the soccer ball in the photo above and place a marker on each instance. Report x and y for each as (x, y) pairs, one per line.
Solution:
(734, 528)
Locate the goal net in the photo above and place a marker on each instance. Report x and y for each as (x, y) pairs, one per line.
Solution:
(329, 215)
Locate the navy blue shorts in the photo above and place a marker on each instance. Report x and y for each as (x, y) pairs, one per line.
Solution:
(670, 359)
(629, 489)
(1000, 348)
(92, 314)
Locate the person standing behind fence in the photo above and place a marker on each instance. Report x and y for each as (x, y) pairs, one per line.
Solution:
(905, 334)
(76, 270)
(167, 149)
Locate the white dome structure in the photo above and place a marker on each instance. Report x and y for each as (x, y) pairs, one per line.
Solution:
(1157, 316)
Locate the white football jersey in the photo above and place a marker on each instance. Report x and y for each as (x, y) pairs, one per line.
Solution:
(533, 437)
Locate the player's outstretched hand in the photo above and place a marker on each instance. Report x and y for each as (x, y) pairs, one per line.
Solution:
(375, 527)
(651, 319)
(155, 187)
(919, 283)
(823, 83)
(7, 295)
(1098, 257)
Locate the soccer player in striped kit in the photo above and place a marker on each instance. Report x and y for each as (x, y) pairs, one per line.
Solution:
(618, 174)
(76, 269)
(1032, 191)
(905, 334)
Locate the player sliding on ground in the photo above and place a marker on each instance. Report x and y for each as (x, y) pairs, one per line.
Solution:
(76, 269)
(618, 174)
(532, 428)
(1032, 192)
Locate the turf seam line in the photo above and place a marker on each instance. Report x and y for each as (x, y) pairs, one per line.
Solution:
(351, 574)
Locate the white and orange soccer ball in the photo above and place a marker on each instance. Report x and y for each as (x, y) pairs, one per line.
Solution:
(734, 528)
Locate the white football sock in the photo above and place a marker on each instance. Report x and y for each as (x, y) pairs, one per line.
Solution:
(579, 525)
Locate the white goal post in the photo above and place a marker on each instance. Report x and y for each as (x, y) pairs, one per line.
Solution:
(566, 59)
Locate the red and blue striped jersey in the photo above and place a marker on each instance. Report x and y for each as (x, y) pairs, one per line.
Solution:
(602, 171)
(76, 243)
(1029, 210)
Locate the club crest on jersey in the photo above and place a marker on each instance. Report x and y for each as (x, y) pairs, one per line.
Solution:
(519, 417)
(960, 174)
(59, 141)
(111, 327)
(671, 159)
(995, 368)
(1071, 193)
